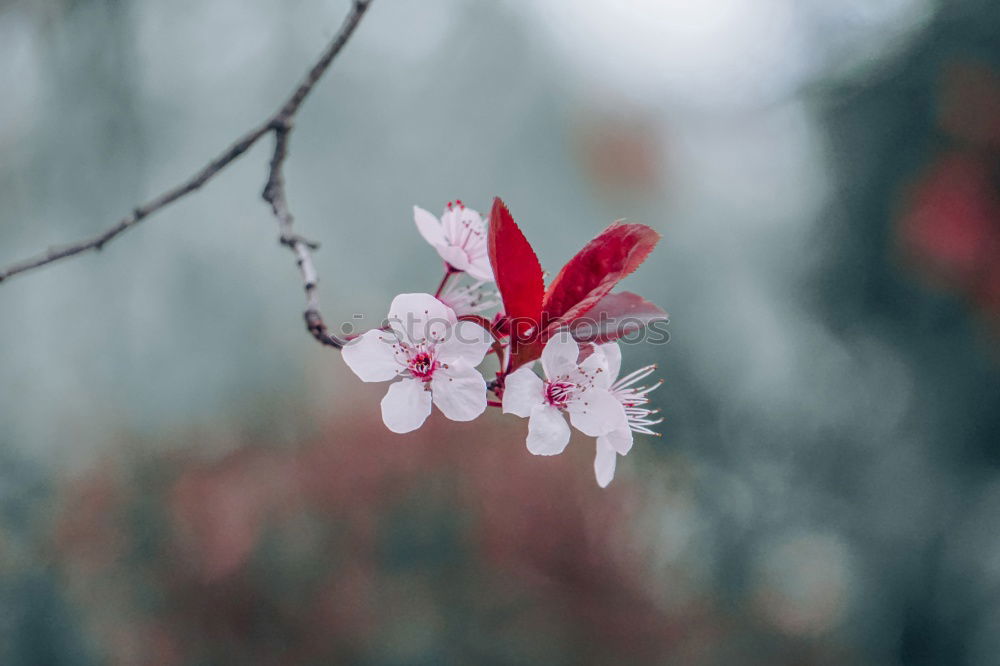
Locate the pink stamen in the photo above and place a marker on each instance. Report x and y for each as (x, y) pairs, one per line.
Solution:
(558, 393)
(422, 365)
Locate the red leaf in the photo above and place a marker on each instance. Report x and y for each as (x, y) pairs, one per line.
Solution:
(525, 350)
(615, 316)
(595, 270)
(516, 270)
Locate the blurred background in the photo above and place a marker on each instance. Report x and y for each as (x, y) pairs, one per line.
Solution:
(187, 478)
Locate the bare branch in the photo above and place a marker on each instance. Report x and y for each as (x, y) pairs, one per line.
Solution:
(145, 210)
(274, 194)
(289, 108)
(279, 124)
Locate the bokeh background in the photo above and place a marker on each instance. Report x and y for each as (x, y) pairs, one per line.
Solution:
(187, 478)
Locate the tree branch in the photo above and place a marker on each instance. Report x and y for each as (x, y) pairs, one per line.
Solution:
(274, 194)
(279, 124)
(141, 212)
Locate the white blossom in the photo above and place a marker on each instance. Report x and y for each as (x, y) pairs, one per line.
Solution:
(435, 356)
(639, 418)
(469, 299)
(459, 236)
(581, 389)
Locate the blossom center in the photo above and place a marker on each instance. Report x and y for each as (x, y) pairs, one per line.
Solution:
(462, 233)
(422, 365)
(558, 393)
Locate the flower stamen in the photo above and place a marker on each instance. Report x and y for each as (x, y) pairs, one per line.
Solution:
(422, 365)
(558, 393)
(634, 397)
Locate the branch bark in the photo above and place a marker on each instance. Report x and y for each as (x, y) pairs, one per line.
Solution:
(280, 125)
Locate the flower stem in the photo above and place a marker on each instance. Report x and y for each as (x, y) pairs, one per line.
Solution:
(449, 270)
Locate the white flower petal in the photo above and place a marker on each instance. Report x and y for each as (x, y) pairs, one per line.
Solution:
(593, 371)
(522, 391)
(596, 412)
(613, 353)
(459, 392)
(620, 439)
(480, 268)
(419, 317)
(469, 299)
(548, 432)
(560, 354)
(429, 227)
(406, 405)
(477, 250)
(468, 343)
(471, 217)
(604, 463)
(371, 356)
(455, 256)
(451, 224)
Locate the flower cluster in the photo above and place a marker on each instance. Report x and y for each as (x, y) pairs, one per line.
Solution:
(432, 344)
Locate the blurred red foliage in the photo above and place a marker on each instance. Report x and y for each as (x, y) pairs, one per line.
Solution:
(287, 556)
(449, 545)
(620, 153)
(950, 220)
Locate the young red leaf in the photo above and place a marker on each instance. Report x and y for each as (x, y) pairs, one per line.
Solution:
(525, 350)
(615, 316)
(516, 270)
(595, 270)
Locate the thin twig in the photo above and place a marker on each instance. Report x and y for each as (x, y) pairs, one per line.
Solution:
(141, 212)
(448, 272)
(279, 124)
(274, 194)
